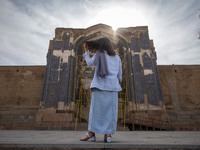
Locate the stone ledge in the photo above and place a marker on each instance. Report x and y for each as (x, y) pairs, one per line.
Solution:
(129, 140)
(99, 146)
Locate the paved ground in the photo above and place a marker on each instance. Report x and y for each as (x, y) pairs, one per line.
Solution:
(126, 139)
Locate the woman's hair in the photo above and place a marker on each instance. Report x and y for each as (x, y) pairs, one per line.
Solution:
(101, 44)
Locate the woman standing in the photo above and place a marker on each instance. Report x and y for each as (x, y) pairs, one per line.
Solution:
(105, 87)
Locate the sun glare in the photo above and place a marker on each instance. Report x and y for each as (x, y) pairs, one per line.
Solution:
(118, 16)
(115, 28)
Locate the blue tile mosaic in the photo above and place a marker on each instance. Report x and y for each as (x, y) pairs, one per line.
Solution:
(144, 41)
(66, 40)
(134, 45)
(149, 79)
(67, 44)
(64, 81)
(151, 94)
(138, 79)
(136, 64)
(71, 84)
(51, 100)
(51, 92)
(53, 78)
(147, 62)
(55, 61)
(62, 84)
(139, 95)
(57, 45)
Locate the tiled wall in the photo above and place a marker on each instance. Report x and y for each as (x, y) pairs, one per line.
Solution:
(143, 77)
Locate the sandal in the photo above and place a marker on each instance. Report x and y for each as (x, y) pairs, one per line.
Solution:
(107, 138)
(89, 135)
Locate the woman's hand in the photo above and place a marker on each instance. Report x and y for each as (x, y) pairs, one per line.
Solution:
(85, 47)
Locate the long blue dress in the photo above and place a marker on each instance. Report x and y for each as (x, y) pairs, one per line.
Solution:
(104, 101)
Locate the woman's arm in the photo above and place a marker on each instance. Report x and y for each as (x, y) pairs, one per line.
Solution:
(89, 61)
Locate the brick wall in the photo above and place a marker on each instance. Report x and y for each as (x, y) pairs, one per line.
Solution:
(180, 88)
(21, 89)
(20, 92)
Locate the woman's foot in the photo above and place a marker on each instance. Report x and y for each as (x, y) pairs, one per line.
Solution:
(107, 138)
(89, 135)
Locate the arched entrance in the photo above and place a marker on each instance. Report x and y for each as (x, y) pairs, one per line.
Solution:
(84, 75)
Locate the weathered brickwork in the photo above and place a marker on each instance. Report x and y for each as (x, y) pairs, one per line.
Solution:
(20, 93)
(180, 86)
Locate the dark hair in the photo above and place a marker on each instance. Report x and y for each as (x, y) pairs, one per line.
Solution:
(101, 44)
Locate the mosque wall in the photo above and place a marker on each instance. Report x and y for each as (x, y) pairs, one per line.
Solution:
(58, 96)
(21, 89)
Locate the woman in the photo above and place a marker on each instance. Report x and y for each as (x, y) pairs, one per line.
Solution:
(105, 86)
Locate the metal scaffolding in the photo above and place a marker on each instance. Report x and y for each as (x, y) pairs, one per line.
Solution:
(80, 94)
(123, 95)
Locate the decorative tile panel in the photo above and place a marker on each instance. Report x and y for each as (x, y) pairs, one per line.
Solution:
(134, 45)
(67, 44)
(55, 61)
(71, 85)
(151, 94)
(53, 77)
(147, 62)
(136, 64)
(57, 45)
(144, 41)
(149, 79)
(138, 79)
(63, 84)
(57, 73)
(51, 100)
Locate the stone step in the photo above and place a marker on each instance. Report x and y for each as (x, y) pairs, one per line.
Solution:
(61, 140)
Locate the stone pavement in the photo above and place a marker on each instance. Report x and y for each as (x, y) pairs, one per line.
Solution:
(122, 139)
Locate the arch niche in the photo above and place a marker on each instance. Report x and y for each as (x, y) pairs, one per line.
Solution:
(83, 75)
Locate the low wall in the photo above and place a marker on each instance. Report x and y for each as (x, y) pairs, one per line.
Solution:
(181, 92)
(21, 90)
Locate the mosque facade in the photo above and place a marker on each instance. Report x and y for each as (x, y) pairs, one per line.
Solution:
(152, 98)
